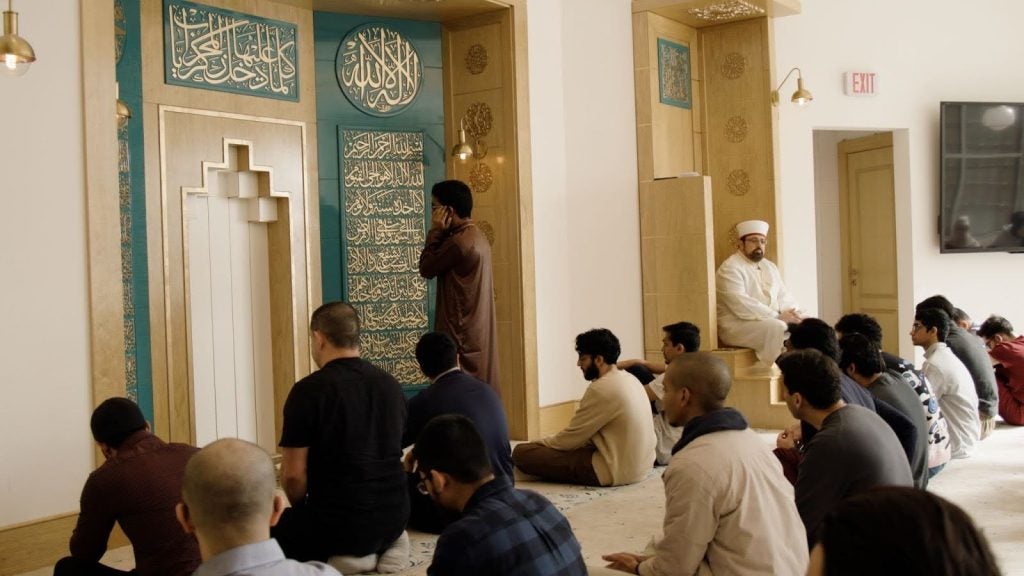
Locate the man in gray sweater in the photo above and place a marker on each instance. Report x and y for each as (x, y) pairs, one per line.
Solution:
(853, 451)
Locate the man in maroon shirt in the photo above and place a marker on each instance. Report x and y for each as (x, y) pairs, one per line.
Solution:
(1007, 353)
(138, 487)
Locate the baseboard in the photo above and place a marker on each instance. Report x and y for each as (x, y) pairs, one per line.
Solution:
(33, 545)
(556, 416)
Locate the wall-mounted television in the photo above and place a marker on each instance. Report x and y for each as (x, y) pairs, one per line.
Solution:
(982, 179)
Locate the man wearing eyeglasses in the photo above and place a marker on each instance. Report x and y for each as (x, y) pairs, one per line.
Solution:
(754, 307)
(951, 382)
(458, 254)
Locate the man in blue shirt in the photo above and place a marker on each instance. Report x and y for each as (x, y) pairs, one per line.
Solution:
(502, 530)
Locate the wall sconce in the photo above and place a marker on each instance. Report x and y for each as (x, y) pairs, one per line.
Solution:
(16, 53)
(121, 110)
(463, 151)
(802, 97)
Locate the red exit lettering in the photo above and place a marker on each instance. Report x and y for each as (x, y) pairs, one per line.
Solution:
(863, 82)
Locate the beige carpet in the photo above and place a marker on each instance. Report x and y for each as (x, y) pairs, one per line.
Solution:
(990, 486)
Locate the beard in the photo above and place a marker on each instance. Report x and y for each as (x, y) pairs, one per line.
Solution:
(756, 256)
(591, 373)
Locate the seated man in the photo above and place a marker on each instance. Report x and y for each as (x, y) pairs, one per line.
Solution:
(862, 362)
(970, 350)
(853, 450)
(501, 530)
(609, 440)
(1007, 352)
(754, 306)
(452, 391)
(677, 339)
(341, 443)
(229, 502)
(138, 487)
(950, 380)
(722, 488)
(938, 428)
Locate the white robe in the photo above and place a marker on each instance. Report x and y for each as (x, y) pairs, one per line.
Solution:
(751, 295)
(666, 434)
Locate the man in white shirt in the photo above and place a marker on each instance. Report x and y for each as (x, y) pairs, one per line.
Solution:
(951, 382)
(754, 307)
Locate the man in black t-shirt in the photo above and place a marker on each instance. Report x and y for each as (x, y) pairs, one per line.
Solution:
(342, 448)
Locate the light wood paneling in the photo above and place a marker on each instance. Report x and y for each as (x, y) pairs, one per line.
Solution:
(682, 10)
(672, 128)
(32, 545)
(555, 417)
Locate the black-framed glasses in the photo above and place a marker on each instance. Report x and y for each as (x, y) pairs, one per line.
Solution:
(916, 326)
(421, 486)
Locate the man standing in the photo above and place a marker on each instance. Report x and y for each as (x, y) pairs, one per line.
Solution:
(137, 486)
(229, 502)
(950, 380)
(341, 444)
(458, 254)
(854, 449)
(862, 362)
(452, 391)
(754, 307)
(722, 487)
(971, 352)
(677, 339)
(501, 530)
(1007, 352)
(610, 440)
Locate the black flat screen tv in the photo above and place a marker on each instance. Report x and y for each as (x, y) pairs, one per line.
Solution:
(982, 178)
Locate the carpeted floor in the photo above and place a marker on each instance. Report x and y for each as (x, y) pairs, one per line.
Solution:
(990, 486)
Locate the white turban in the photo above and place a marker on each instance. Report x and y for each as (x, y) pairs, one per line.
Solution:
(751, 227)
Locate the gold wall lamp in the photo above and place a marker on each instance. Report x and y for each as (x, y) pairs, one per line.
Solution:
(463, 151)
(16, 54)
(802, 97)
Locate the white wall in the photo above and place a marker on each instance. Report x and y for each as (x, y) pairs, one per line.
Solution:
(924, 52)
(45, 443)
(586, 218)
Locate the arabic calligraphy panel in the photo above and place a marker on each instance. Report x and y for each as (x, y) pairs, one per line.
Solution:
(215, 49)
(378, 70)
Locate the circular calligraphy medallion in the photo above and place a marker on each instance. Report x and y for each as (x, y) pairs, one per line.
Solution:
(738, 182)
(476, 59)
(479, 120)
(481, 178)
(120, 30)
(734, 65)
(736, 129)
(378, 70)
(487, 229)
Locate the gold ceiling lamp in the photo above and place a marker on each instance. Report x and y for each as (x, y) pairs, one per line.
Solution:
(16, 54)
(121, 110)
(463, 151)
(802, 97)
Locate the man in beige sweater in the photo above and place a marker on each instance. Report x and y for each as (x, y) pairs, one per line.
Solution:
(609, 440)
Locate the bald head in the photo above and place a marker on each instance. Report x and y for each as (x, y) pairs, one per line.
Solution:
(705, 375)
(229, 484)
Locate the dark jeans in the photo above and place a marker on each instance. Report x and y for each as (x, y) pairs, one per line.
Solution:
(569, 466)
(71, 566)
(306, 534)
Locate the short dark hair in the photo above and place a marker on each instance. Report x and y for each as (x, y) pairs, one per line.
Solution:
(455, 194)
(338, 322)
(450, 443)
(599, 342)
(862, 324)
(436, 353)
(862, 353)
(812, 374)
(685, 334)
(817, 334)
(903, 530)
(995, 325)
(114, 420)
(938, 301)
(934, 318)
(960, 316)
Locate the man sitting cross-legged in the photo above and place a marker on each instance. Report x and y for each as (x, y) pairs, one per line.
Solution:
(502, 530)
(229, 503)
(137, 487)
(1007, 352)
(853, 449)
(729, 509)
(678, 338)
(452, 391)
(610, 440)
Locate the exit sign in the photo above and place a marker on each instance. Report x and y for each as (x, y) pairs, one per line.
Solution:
(860, 83)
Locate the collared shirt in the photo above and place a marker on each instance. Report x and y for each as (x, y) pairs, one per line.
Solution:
(260, 558)
(508, 531)
(138, 488)
(954, 389)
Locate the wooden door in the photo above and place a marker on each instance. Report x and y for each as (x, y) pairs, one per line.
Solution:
(868, 232)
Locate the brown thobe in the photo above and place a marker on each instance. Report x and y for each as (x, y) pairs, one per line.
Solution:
(460, 259)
